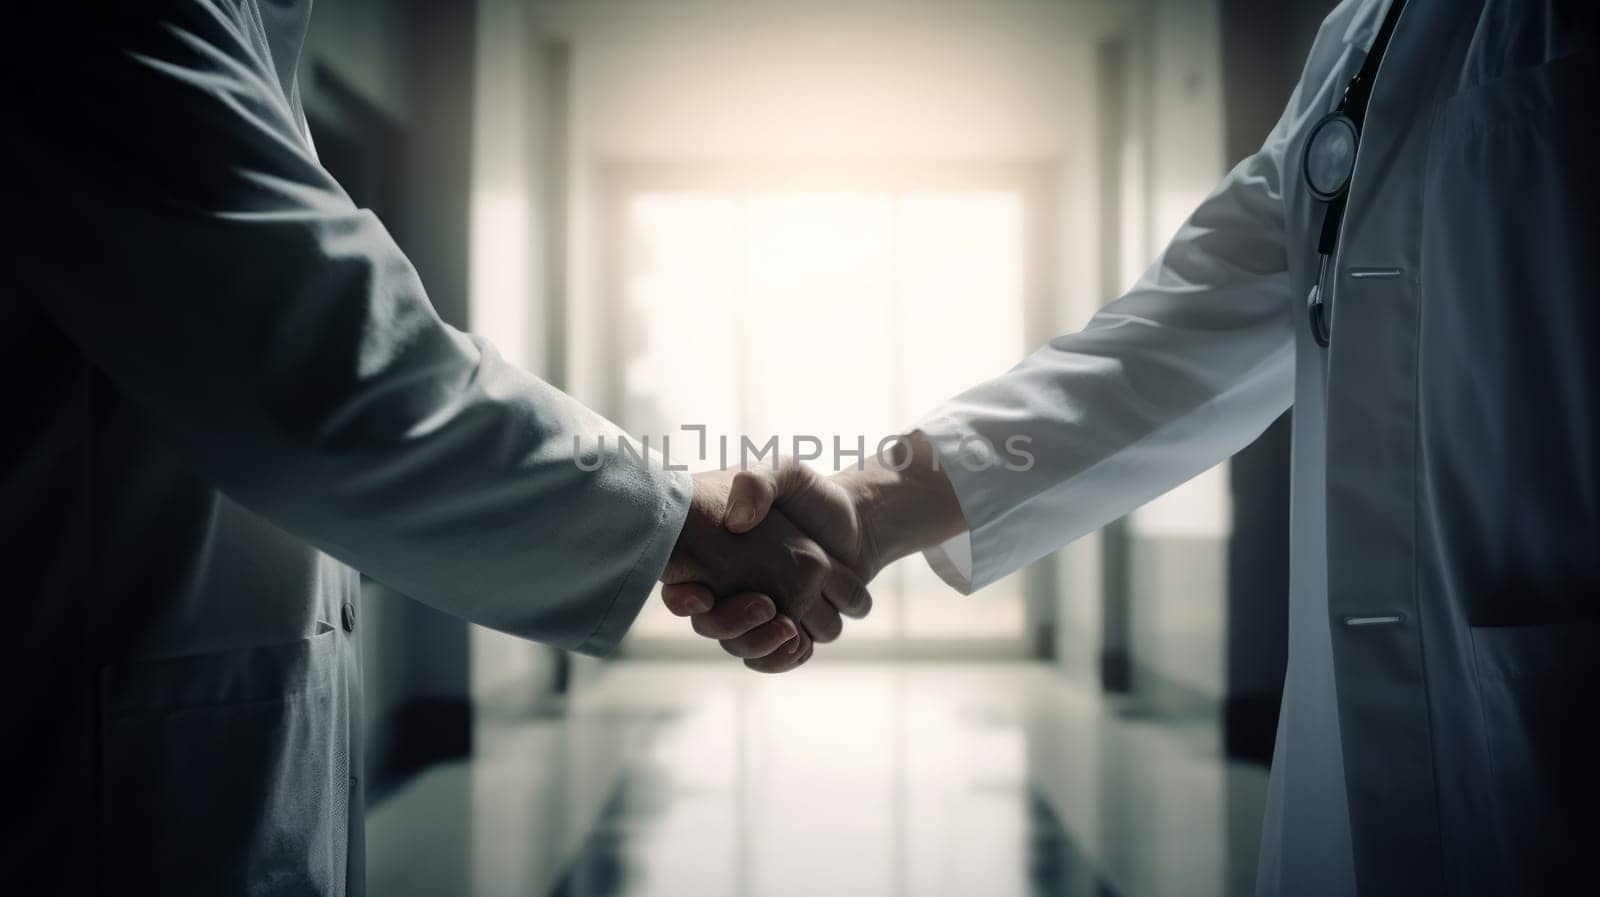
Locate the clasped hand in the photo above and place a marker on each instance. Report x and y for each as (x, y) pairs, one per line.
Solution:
(769, 583)
(770, 560)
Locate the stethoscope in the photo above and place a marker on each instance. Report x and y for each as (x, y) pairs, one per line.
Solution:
(1330, 161)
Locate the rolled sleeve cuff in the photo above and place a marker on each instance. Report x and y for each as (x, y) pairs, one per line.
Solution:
(677, 488)
(975, 558)
(952, 560)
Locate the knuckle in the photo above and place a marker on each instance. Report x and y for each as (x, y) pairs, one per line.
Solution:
(793, 475)
(753, 605)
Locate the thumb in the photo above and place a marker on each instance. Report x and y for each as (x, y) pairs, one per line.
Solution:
(750, 497)
(753, 492)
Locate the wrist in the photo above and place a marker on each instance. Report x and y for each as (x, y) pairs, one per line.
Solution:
(707, 498)
(905, 503)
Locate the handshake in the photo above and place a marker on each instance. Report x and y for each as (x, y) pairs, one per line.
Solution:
(770, 560)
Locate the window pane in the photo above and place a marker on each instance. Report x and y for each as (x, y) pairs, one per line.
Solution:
(835, 316)
(820, 278)
(961, 265)
(681, 279)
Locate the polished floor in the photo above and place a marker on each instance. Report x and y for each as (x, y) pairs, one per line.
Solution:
(669, 779)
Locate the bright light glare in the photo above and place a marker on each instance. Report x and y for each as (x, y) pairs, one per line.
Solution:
(842, 315)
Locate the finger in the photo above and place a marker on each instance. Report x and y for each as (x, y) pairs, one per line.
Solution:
(750, 498)
(753, 493)
(846, 592)
(762, 640)
(735, 616)
(788, 656)
(686, 599)
(820, 620)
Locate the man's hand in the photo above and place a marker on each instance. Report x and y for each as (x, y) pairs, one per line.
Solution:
(774, 575)
(864, 519)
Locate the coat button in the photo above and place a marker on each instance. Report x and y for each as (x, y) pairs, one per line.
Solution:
(347, 616)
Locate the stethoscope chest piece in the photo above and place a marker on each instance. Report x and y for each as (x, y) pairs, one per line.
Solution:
(1329, 162)
(1330, 156)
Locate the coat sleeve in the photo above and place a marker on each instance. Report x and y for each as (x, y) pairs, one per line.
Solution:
(1176, 375)
(176, 226)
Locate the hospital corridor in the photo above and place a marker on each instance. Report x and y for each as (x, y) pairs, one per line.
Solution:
(956, 182)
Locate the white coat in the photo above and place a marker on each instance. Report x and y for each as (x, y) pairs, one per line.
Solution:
(1436, 734)
(226, 390)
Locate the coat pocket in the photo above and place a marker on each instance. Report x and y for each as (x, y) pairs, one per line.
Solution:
(221, 772)
(1557, 86)
(1536, 684)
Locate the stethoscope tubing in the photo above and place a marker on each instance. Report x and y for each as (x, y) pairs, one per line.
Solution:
(1351, 115)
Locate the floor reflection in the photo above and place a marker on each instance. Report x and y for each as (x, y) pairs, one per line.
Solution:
(890, 780)
(623, 855)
